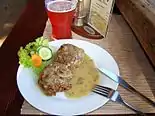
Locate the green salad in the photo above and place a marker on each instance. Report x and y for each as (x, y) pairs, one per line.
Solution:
(36, 55)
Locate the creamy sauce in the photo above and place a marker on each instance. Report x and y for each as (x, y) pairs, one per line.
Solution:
(84, 79)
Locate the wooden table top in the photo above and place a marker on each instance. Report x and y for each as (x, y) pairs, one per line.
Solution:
(120, 42)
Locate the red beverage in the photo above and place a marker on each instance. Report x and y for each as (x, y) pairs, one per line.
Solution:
(61, 14)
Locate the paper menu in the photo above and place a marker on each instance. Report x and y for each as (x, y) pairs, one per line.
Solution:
(100, 14)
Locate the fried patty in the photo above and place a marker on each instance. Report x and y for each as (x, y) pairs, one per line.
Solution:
(57, 75)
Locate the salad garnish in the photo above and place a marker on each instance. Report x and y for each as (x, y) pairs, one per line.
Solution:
(35, 56)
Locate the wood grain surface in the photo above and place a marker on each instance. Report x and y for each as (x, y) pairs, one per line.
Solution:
(133, 64)
(140, 14)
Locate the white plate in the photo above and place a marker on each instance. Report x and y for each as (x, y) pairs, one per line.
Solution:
(60, 105)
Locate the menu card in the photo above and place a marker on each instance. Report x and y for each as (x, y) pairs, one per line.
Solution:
(100, 14)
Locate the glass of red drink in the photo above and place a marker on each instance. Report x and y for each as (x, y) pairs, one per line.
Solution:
(60, 13)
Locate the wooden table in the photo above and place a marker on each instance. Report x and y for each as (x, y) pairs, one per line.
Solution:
(140, 14)
(120, 43)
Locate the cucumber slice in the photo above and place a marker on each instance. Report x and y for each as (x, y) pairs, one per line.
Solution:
(45, 53)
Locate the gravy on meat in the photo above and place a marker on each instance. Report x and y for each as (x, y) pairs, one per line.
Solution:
(84, 79)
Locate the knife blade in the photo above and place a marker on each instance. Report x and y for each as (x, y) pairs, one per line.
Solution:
(124, 84)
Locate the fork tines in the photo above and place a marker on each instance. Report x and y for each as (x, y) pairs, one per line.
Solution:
(104, 91)
(114, 96)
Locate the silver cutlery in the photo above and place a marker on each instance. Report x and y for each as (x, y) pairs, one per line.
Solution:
(124, 84)
(114, 95)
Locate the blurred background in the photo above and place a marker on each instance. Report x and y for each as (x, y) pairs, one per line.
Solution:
(10, 11)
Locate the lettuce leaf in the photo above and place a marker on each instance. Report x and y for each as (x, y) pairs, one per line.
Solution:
(24, 57)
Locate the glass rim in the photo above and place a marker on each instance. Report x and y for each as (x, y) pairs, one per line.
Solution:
(74, 3)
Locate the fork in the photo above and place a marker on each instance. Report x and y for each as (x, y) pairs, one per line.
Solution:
(114, 95)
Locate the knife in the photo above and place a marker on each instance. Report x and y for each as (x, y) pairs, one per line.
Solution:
(124, 84)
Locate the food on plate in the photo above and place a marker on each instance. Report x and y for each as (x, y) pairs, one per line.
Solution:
(71, 71)
(35, 55)
(45, 53)
(70, 55)
(56, 76)
(36, 60)
(85, 77)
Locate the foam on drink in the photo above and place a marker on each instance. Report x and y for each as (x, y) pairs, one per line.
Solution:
(60, 6)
